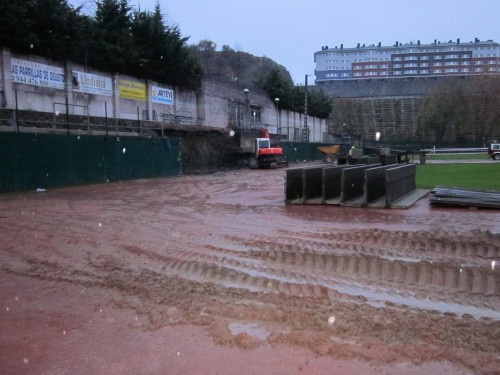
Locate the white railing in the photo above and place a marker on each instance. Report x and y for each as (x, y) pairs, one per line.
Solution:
(452, 151)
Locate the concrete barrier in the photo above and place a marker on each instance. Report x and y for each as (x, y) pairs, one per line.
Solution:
(388, 159)
(374, 184)
(353, 181)
(332, 184)
(400, 181)
(350, 185)
(313, 185)
(294, 186)
(369, 160)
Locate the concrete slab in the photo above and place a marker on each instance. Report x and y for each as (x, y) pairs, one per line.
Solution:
(379, 203)
(409, 200)
(294, 201)
(356, 202)
(334, 201)
(313, 201)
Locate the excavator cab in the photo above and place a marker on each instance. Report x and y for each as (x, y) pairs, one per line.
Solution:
(267, 156)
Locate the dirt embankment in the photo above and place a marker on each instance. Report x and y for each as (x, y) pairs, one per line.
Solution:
(209, 151)
(215, 274)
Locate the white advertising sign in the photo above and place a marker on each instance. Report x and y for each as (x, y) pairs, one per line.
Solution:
(162, 96)
(32, 73)
(92, 83)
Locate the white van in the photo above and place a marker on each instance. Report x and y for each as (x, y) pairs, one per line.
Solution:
(494, 151)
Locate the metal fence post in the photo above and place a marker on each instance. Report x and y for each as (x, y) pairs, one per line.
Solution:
(16, 114)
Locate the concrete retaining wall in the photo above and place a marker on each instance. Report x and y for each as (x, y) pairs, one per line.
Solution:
(80, 90)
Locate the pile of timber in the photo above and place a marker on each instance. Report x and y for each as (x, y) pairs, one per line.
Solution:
(458, 197)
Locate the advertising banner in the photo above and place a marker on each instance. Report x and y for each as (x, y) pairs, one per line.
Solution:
(32, 73)
(92, 83)
(132, 90)
(162, 96)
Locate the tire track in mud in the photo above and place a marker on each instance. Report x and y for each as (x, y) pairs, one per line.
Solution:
(387, 271)
(443, 270)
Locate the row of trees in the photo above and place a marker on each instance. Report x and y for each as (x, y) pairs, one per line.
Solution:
(115, 39)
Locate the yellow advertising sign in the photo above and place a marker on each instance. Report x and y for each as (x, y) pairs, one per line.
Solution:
(132, 90)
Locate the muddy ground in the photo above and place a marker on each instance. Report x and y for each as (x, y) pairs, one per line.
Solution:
(216, 275)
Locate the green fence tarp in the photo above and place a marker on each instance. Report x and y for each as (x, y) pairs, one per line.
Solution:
(295, 151)
(30, 161)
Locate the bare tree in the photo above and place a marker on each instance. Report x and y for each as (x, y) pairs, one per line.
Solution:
(446, 111)
(485, 108)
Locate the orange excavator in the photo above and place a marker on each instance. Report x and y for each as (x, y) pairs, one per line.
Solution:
(265, 155)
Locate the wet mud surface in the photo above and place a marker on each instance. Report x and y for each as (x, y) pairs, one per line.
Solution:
(215, 274)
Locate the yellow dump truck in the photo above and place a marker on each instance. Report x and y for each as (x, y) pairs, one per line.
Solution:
(331, 152)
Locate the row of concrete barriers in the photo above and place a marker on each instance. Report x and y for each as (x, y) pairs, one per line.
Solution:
(373, 185)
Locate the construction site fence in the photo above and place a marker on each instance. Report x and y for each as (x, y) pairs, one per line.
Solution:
(299, 151)
(37, 161)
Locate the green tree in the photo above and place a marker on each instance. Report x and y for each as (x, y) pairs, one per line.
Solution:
(179, 66)
(320, 104)
(48, 28)
(277, 86)
(16, 26)
(113, 47)
(161, 52)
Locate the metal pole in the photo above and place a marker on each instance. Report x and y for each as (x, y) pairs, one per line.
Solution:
(106, 117)
(67, 115)
(138, 122)
(246, 108)
(306, 133)
(278, 127)
(16, 112)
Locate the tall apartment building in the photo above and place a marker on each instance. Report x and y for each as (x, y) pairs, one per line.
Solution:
(407, 60)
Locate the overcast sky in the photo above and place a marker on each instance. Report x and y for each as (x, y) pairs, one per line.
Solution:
(290, 31)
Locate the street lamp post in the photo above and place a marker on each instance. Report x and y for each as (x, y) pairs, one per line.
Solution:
(305, 136)
(246, 91)
(277, 100)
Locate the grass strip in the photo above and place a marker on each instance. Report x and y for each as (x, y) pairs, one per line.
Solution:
(469, 176)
